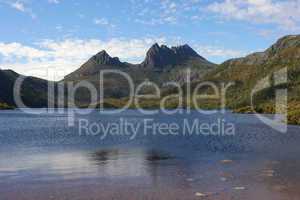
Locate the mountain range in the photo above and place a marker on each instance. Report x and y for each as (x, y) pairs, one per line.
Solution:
(163, 64)
(159, 59)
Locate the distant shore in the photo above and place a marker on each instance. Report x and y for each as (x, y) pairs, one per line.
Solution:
(266, 108)
(293, 114)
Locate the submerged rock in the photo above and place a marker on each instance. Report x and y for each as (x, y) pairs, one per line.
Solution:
(199, 194)
(239, 188)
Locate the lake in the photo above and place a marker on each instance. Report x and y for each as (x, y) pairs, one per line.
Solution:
(119, 156)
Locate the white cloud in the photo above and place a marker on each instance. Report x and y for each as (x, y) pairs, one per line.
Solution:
(16, 50)
(170, 19)
(81, 16)
(69, 54)
(168, 6)
(218, 52)
(54, 1)
(18, 6)
(59, 27)
(103, 22)
(162, 11)
(265, 33)
(284, 14)
(196, 17)
(168, 12)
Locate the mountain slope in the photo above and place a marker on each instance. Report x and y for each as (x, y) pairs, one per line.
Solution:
(246, 72)
(33, 90)
(98, 62)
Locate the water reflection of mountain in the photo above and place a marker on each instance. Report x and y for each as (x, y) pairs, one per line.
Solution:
(152, 166)
(115, 154)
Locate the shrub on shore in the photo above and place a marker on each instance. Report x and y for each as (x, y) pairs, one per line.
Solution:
(294, 117)
(4, 106)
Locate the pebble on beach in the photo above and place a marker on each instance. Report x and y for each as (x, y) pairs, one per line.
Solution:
(223, 179)
(239, 188)
(226, 161)
(268, 173)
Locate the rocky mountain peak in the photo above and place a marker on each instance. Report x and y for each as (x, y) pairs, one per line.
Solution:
(103, 58)
(185, 51)
(287, 42)
(160, 56)
(155, 46)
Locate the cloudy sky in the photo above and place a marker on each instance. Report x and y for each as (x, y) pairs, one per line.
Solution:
(41, 37)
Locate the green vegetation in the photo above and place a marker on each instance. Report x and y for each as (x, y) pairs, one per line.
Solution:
(172, 103)
(246, 110)
(294, 117)
(33, 92)
(294, 113)
(4, 106)
(262, 67)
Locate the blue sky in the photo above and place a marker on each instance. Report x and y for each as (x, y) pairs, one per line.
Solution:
(38, 35)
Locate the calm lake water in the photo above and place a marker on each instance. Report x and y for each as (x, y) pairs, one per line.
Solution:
(42, 158)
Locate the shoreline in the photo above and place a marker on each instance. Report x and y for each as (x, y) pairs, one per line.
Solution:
(293, 117)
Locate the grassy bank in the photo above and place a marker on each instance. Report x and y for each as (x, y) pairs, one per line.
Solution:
(156, 104)
(268, 108)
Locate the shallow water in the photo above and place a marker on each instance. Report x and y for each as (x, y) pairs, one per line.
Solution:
(41, 157)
